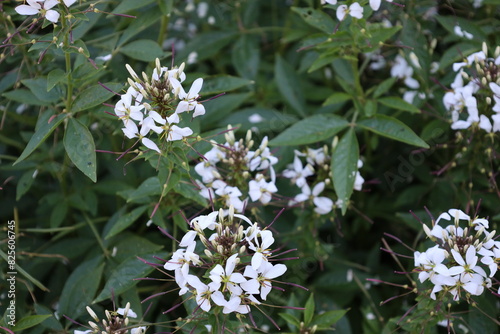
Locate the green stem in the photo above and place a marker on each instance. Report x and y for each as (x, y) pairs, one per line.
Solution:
(67, 57)
(96, 234)
(163, 29)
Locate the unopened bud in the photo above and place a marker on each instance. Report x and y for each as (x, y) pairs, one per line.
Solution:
(335, 142)
(485, 48)
(92, 314)
(80, 50)
(208, 253)
(248, 136)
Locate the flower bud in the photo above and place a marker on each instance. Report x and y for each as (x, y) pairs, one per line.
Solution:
(92, 314)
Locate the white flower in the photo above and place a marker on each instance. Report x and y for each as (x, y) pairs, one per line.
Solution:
(261, 248)
(323, 204)
(262, 278)
(255, 118)
(130, 313)
(177, 133)
(462, 33)
(131, 131)
(298, 174)
(227, 277)
(138, 330)
(331, 2)
(203, 291)
(375, 4)
(189, 100)
(261, 190)
(355, 10)
(35, 7)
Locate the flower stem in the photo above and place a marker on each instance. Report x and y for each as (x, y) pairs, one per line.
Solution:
(67, 57)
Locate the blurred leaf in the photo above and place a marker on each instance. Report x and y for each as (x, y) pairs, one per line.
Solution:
(370, 108)
(262, 118)
(309, 310)
(246, 56)
(24, 184)
(384, 86)
(398, 104)
(38, 87)
(223, 83)
(310, 130)
(327, 319)
(30, 321)
(207, 44)
(140, 23)
(189, 191)
(125, 276)
(24, 96)
(126, 220)
(150, 187)
(316, 18)
(290, 319)
(23, 272)
(41, 134)
(54, 77)
(81, 287)
(142, 49)
(94, 96)
(166, 6)
(125, 6)
(288, 83)
(344, 166)
(338, 97)
(391, 127)
(80, 148)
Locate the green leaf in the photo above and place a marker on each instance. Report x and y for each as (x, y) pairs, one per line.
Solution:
(328, 318)
(30, 321)
(370, 108)
(207, 44)
(265, 119)
(316, 18)
(338, 97)
(391, 127)
(310, 130)
(384, 86)
(47, 124)
(54, 77)
(81, 287)
(80, 148)
(223, 83)
(309, 310)
(189, 191)
(24, 184)
(290, 319)
(142, 49)
(125, 6)
(126, 220)
(288, 83)
(38, 87)
(344, 167)
(150, 187)
(140, 23)
(125, 276)
(246, 56)
(94, 95)
(166, 6)
(399, 104)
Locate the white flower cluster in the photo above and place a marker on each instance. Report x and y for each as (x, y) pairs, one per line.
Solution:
(115, 322)
(317, 163)
(43, 7)
(155, 105)
(463, 260)
(354, 9)
(470, 90)
(403, 70)
(234, 173)
(236, 269)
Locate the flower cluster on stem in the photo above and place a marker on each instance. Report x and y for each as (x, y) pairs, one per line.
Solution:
(235, 174)
(226, 262)
(153, 105)
(116, 322)
(474, 97)
(43, 8)
(463, 260)
(312, 176)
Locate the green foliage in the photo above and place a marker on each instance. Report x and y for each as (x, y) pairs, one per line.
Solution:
(88, 201)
